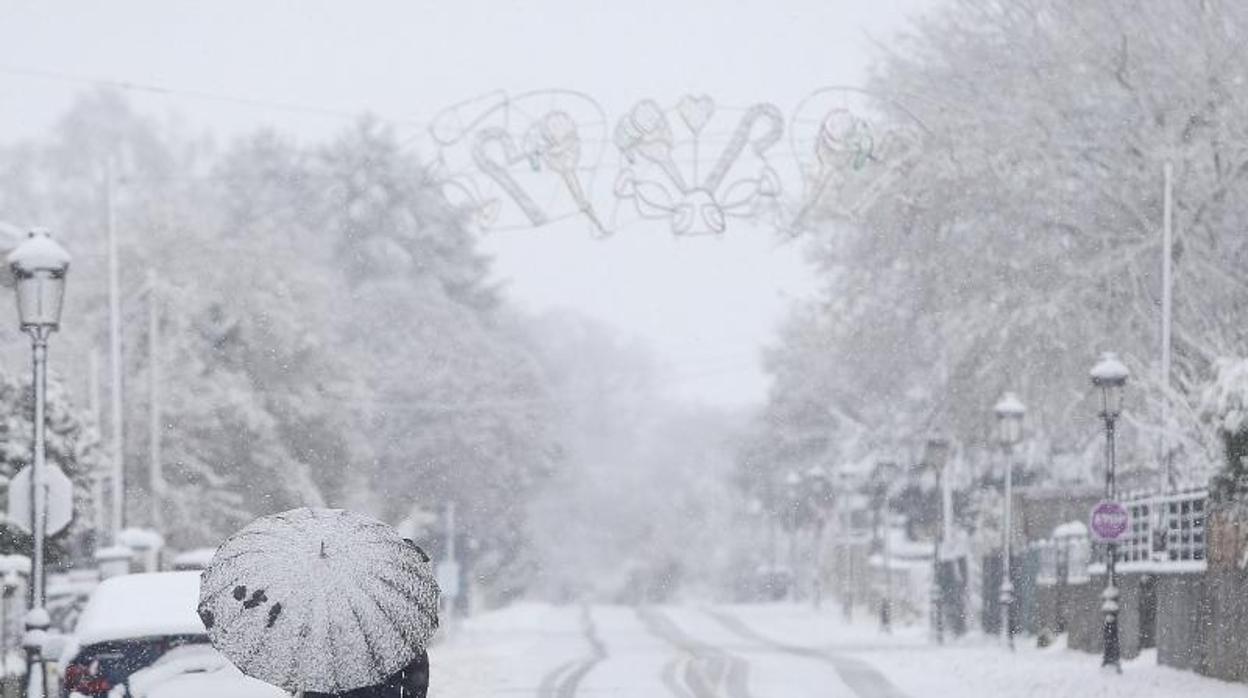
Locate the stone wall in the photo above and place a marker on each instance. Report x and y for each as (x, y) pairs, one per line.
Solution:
(1187, 607)
(1182, 617)
(1203, 624)
(1085, 622)
(1045, 619)
(1201, 616)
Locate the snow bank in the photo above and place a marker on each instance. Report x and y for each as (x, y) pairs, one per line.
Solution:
(977, 666)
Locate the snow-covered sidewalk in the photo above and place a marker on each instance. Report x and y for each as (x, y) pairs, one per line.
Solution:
(977, 666)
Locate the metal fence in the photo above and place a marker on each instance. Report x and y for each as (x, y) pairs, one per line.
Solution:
(1165, 528)
(1167, 534)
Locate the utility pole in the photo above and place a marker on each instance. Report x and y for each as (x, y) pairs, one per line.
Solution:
(448, 572)
(97, 417)
(114, 346)
(156, 471)
(886, 605)
(847, 551)
(1167, 298)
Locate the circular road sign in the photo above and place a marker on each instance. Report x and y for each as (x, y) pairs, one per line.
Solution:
(1109, 521)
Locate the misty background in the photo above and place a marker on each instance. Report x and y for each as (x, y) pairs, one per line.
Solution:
(612, 418)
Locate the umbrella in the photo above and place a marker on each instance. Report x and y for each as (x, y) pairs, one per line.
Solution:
(320, 600)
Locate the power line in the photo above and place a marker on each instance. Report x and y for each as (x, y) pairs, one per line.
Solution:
(130, 86)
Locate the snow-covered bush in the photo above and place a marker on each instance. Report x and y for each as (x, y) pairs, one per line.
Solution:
(1224, 404)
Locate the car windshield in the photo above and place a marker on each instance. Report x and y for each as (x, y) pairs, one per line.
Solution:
(555, 348)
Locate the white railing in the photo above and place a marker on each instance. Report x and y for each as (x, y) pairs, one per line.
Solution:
(1167, 530)
(1167, 534)
(1062, 557)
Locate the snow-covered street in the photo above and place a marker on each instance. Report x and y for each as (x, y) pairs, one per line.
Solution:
(687, 349)
(776, 651)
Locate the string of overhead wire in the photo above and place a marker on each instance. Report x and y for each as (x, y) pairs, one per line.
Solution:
(700, 372)
(290, 107)
(431, 406)
(590, 171)
(166, 91)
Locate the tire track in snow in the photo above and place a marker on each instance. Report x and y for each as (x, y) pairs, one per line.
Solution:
(564, 681)
(862, 678)
(708, 672)
(669, 678)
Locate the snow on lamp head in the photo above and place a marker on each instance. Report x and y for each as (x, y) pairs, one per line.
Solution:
(39, 266)
(936, 452)
(1010, 411)
(1110, 375)
(820, 483)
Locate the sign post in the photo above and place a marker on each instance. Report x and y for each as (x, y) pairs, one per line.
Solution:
(1109, 521)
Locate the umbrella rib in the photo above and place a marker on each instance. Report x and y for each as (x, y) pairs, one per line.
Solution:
(236, 555)
(253, 649)
(334, 657)
(263, 533)
(430, 617)
(402, 627)
(292, 671)
(233, 580)
(368, 640)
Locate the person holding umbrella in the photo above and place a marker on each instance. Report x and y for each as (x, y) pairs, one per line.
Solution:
(323, 602)
(412, 681)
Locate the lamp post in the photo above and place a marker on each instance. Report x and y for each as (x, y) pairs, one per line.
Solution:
(935, 454)
(883, 475)
(1010, 411)
(819, 487)
(39, 266)
(845, 490)
(793, 485)
(1110, 375)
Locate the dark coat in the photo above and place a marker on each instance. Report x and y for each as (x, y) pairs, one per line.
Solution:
(412, 681)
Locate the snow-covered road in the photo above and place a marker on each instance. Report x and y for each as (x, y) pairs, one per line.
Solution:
(775, 651)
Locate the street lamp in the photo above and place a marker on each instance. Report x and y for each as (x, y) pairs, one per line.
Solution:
(793, 488)
(1110, 375)
(883, 476)
(935, 455)
(819, 487)
(1010, 411)
(39, 266)
(845, 487)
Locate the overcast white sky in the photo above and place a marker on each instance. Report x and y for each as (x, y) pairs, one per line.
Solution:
(705, 305)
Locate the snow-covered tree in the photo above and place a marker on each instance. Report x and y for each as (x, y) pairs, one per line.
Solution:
(1021, 235)
(72, 445)
(329, 331)
(1225, 406)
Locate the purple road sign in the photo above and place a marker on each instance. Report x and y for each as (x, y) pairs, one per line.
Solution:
(1109, 521)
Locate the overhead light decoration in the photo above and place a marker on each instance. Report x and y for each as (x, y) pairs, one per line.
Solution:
(524, 161)
(653, 180)
(533, 159)
(845, 155)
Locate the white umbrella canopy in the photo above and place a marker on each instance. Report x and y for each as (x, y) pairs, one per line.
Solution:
(319, 600)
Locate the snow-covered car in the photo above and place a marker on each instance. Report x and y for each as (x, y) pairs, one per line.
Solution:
(195, 559)
(128, 624)
(197, 671)
(67, 595)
